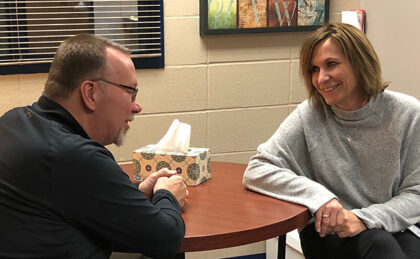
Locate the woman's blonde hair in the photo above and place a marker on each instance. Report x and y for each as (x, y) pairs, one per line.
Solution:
(357, 50)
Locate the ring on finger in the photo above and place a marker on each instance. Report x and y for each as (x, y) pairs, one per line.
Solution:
(325, 215)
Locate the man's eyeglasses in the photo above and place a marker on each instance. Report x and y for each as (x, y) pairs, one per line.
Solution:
(135, 90)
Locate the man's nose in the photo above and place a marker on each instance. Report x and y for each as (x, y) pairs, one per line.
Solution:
(136, 107)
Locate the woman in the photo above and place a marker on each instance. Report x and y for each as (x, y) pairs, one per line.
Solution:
(350, 153)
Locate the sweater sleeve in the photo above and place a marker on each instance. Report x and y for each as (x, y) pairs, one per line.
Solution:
(397, 214)
(402, 210)
(282, 167)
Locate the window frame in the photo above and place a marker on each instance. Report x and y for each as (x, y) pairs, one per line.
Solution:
(27, 68)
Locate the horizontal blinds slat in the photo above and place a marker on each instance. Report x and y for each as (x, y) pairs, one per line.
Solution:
(48, 47)
(70, 1)
(58, 42)
(79, 24)
(50, 53)
(85, 30)
(93, 12)
(5, 62)
(68, 35)
(30, 31)
(79, 18)
(25, 8)
(76, 6)
(48, 60)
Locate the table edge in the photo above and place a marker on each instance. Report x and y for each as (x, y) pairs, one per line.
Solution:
(226, 240)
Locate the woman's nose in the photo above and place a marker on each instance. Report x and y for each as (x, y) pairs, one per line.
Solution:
(323, 76)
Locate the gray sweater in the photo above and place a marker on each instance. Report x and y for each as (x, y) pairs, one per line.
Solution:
(369, 159)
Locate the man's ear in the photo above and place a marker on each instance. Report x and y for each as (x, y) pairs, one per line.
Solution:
(88, 92)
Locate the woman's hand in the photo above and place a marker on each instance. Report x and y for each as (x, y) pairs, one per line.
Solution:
(351, 225)
(328, 216)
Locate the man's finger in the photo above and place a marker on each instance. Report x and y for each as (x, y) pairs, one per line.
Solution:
(165, 172)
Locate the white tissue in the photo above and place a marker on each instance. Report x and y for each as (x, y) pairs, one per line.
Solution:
(177, 139)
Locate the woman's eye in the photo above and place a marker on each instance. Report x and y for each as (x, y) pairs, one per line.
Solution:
(331, 64)
(314, 69)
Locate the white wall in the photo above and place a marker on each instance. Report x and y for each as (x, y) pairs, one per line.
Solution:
(392, 29)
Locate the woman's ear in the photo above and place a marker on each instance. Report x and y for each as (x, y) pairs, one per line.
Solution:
(88, 92)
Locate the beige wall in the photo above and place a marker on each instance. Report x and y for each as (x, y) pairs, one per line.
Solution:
(234, 90)
(391, 27)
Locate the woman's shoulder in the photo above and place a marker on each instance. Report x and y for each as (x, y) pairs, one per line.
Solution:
(309, 111)
(397, 106)
(304, 117)
(305, 107)
(398, 99)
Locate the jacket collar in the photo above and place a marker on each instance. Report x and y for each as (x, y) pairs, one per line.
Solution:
(54, 111)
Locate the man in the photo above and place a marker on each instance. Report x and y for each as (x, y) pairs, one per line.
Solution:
(62, 195)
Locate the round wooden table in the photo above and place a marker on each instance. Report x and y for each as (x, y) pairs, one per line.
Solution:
(222, 213)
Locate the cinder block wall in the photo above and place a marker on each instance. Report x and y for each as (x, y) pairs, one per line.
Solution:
(234, 90)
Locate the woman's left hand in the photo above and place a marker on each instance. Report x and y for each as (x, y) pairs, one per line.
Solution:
(351, 225)
(328, 216)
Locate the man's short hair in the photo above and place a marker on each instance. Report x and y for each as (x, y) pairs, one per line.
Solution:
(77, 59)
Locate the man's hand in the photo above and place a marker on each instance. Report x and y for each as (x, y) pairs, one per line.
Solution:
(147, 185)
(351, 226)
(328, 216)
(174, 184)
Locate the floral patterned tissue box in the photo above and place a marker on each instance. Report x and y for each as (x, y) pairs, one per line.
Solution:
(194, 166)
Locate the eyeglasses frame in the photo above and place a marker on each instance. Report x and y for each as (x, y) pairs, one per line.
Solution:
(135, 90)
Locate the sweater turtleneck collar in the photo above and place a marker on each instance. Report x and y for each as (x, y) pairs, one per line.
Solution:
(355, 115)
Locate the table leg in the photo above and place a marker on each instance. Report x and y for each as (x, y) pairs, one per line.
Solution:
(281, 249)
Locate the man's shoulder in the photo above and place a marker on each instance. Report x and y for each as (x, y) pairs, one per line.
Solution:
(64, 144)
(14, 113)
(68, 145)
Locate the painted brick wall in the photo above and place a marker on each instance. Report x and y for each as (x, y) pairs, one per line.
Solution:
(233, 89)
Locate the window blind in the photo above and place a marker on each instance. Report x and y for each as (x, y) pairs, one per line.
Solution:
(30, 31)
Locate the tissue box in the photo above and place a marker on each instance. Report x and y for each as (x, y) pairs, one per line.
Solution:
(194, 166)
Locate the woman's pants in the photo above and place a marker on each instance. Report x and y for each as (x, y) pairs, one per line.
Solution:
(371, 243)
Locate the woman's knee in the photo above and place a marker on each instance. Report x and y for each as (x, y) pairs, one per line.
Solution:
(378, 237)
(330, 246)
(409, 243)
(376, 243)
